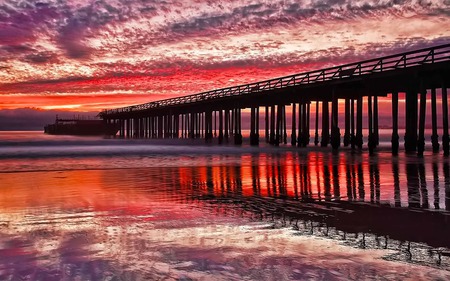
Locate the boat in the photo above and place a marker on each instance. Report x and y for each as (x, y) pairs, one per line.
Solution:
(81, 127)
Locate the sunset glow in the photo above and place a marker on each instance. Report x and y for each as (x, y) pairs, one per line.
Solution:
(91, 55)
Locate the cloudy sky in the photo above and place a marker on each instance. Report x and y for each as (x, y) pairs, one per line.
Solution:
(87, 55)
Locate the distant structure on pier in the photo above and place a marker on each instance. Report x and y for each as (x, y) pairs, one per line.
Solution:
(416, 73)
(81, 127)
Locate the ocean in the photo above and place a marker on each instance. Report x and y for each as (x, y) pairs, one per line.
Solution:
(90, 208)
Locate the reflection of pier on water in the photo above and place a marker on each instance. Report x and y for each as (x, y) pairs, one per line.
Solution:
(341, 198)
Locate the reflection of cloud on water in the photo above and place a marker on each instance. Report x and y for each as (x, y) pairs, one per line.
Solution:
(215, 247)
(141, 224)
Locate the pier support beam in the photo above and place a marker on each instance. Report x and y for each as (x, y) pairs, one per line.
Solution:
(352, 124)
(192, 126)
(254, 120)
(445, 136)
(434, 134)
(316, 131)
(272, 125)
(293, 127)
(226, 125)
(308, 121)
(220, 138)
(371, 144)
(208, 126)
(376, 133)
(421, 140)
(300, 124)
(411, 121)
(325, 125)
(283, 120)
(237, 127)
(347, 123)
(266, 124)
(394, 138)
(359, 113)
(278, 129)
(122, 128)
(335, 131)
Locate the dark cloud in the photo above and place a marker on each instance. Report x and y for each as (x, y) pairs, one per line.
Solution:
(41, 57)
(11, 35)
(71, 40)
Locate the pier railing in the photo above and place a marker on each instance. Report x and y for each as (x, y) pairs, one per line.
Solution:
(384, 64)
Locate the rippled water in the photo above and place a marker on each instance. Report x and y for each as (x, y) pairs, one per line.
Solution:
(106, 209)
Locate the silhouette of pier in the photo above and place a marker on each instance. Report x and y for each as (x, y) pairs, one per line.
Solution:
(218, 113)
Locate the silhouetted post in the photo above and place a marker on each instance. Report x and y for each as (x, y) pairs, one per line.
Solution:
(352, 123)
(316, 133)
(122, 129)
(411, 121)
(272, 125)
(136, 127)
(394, 139)
(169, 126)
(232, 121)
(294, 125)
(160, 127)
(151, 126)
(252, 124)
(257, 125)
(220, 126)
(371, 143)
(376, 134)
(253, 134)
(421, 140)
(445, 137)
(335, 131)
(237, 133)
(359, 114)
(434, 134)
(325, 125)
(300, 125)
(201, 125)
(144, 127)
(278, 126)
(177, 126)
(208, 126)
(283, 120)
(227, 126)
(347, 122)
(192, 126)
(308, 114)
(304, 126)
(215, 123)
(266, 124)
(185, 125)
(180, 125)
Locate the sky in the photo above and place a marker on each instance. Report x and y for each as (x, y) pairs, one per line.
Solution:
(87, 55)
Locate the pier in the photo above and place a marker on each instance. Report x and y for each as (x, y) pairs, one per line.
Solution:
(422, 76)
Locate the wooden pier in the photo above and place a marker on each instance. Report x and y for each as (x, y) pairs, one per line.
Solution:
(218, 113)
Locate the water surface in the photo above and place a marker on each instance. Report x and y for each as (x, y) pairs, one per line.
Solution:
(74, 208)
